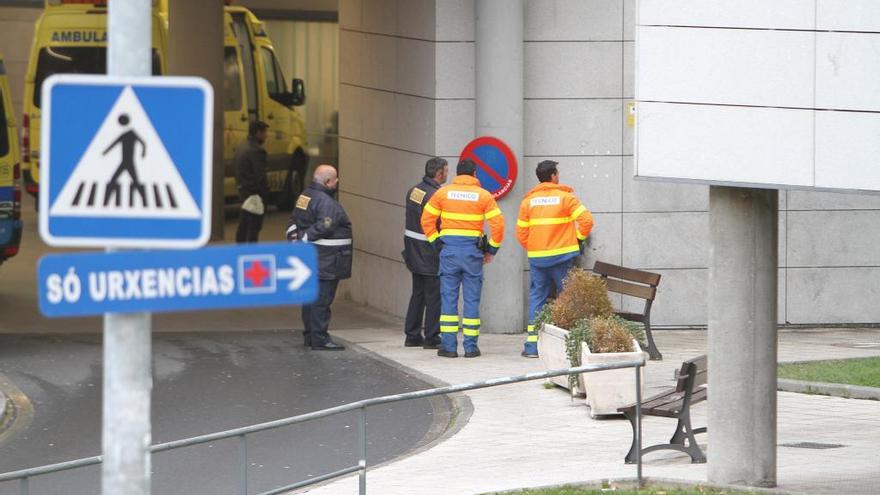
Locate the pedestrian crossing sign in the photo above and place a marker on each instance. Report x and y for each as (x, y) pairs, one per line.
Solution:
(126, 162)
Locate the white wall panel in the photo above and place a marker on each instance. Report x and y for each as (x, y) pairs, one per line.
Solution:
(773, 14)
(752, 145)
(573, 20)
(604, 241)
(848, 15)
(454, 70)
(417, 19)
(455, 20)
(833, 238)
(730, 66)
(833, 295)
(820, 200)
(454, 126)
(573, 127)
(415, 66)
(595, 179)
(847, 70)
(573, 70)
(661, 196)
(662, 241)
(847, 147)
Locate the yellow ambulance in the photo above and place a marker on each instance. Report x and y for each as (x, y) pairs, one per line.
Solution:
(71, 37)
(10, 189)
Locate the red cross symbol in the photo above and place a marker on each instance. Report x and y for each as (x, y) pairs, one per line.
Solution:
(256, 273)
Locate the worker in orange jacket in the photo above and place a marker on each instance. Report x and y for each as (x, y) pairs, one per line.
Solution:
(552, 226)
(462, 206)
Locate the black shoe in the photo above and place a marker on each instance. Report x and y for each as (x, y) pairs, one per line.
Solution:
(329, 346)
(449, 354)
(413, 343)
(431, 344)
(473, 354)
(307, 343)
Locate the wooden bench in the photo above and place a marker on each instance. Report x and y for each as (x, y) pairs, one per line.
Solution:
(690, 388)
(635, 283)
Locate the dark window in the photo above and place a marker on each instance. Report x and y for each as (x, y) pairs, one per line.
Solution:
(246, 48)
(269, 72)
(231, 81)
(4, 128)
(279, 76)
(75, 60)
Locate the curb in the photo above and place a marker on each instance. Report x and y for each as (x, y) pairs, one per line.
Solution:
(4, 402)
(833, 389)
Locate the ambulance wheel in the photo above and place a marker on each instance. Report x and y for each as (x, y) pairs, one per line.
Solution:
(293, 185)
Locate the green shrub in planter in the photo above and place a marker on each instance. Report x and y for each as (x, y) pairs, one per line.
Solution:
(602, 334)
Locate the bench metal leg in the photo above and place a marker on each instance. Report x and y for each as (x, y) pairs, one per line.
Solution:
(653, 352)
(683, 431)
(632, 456)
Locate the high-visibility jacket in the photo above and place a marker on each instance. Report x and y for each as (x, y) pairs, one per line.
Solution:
(551, 222)
(461, 207)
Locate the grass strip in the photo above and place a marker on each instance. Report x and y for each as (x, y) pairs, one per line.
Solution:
(863, 372)
(649, 490)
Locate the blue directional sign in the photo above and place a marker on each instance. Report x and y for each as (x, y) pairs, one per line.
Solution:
(126, 162)
(82, 284)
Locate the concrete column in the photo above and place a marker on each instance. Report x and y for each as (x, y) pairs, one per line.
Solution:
(499, 113)
(195, 48)
(742, 336)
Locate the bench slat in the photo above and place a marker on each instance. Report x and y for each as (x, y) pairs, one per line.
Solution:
(673, 409)
(631, 274)
(631, 289)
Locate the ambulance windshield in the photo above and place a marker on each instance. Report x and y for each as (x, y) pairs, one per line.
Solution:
(74, 60)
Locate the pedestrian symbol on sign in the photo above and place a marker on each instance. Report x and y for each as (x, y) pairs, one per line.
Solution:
(130, 171)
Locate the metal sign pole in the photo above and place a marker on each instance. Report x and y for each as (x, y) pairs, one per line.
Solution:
(126, 434)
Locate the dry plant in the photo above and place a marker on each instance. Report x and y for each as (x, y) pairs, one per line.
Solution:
(582, 296)
(608, 334)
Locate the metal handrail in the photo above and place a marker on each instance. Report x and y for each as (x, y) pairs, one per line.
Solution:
(25, 474)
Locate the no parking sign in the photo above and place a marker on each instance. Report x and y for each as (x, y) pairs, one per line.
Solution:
(496, 164)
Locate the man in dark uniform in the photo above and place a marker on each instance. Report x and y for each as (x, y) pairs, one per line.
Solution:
(320, 220)
(423, 261)
(253, 185)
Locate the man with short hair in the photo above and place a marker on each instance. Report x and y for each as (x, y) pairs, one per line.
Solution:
(552, 225)
(461, 208)
(423, 261)
(320, 220)
(253, 185)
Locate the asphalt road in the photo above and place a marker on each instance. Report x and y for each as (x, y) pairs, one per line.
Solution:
(207, 382)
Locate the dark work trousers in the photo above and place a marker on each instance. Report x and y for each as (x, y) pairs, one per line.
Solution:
(425, 301)
(249, 226)
(316, 316)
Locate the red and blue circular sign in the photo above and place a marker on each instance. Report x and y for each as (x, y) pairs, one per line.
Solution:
(496, 164)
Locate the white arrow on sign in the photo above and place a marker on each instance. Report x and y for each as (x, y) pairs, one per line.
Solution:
(298, 273)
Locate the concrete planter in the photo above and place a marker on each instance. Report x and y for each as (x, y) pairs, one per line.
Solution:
(610, 389)
(551, 351)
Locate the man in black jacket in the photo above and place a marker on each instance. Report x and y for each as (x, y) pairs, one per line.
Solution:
(423, 261)
(253, 185)
(319, 219)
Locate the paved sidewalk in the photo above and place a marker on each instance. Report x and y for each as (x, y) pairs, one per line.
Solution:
(525, 435)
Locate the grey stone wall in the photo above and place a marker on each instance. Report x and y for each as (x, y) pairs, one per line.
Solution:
(407, 92)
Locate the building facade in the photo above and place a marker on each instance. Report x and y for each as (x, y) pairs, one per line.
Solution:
(407, 92)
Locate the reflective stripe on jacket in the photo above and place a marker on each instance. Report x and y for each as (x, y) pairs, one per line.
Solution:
(461, 207)
(321, 220)
(551, 222)
(419, 256)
